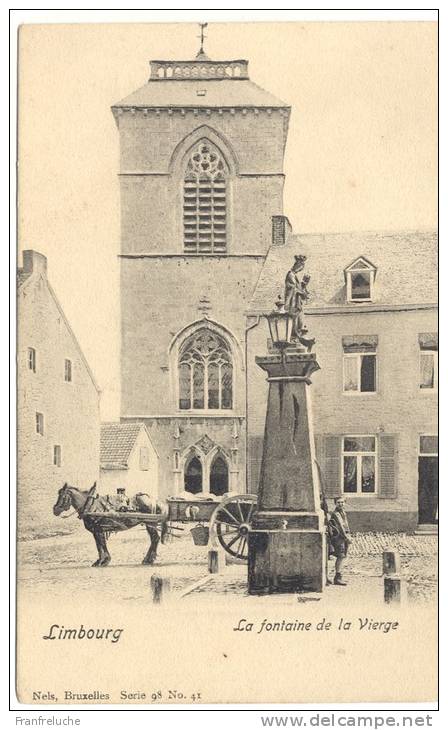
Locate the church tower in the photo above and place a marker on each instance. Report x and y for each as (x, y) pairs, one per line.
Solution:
(201, 177)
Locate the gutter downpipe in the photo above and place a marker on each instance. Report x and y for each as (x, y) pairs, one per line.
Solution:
(255, 324)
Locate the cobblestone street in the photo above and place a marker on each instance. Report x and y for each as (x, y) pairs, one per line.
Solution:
(62, 565)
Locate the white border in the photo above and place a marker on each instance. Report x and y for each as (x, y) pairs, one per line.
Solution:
(31, 15)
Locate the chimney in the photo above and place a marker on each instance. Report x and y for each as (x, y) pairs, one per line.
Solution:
(34, 261)
(281, 228)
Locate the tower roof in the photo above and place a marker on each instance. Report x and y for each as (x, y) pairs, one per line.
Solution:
(200, 83)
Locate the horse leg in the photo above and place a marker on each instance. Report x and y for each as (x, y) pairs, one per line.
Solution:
(99, 547)
(163, 531)
(105, 560)
(154, 541)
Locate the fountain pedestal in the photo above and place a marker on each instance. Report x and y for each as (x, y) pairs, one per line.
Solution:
(287, 537)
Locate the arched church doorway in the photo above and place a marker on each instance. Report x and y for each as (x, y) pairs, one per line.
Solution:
(219, 477)
(193, 476)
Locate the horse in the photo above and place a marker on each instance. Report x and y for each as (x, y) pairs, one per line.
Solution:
(104, 524)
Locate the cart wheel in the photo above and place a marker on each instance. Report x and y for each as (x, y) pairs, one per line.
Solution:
(230, 523)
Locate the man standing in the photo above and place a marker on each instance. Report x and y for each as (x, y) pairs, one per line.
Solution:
(340, 537)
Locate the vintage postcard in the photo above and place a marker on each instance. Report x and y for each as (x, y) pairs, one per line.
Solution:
(227, 357)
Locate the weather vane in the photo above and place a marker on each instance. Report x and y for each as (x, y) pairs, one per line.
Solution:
(202, 36)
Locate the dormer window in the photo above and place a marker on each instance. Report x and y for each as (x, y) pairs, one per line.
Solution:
(359, 277)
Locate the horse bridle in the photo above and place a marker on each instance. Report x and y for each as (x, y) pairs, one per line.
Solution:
(75, 511)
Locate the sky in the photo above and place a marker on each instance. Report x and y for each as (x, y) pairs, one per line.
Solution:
(361, 151)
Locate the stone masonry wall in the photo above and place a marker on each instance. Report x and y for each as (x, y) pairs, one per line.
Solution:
(71, 413)
(226, 432)
(151, 213)
(151, 176)
(148, 142)
(161, 296)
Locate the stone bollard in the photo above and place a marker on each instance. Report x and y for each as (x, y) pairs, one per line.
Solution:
(160, 587)
(392, 589)
(392, 580)
(391, 562)
(214, 561)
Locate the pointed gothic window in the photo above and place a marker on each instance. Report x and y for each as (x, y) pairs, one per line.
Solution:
(204, 205)
(193, 476)
(219, 477)
(205, 373)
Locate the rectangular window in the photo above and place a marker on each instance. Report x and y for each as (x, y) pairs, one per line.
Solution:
(429, 445)
(57, 455)
(359, 372)
(428, 369)
(32, 359)
(40, 423)
(359, 464)
(68, 371)
(144, 458)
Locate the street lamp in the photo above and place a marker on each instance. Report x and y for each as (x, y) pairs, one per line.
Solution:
(281, 324)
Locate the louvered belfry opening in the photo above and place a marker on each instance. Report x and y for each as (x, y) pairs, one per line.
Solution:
(205, 203)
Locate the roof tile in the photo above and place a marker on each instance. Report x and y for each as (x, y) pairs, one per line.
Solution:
(406, 263)
(219, 92)
(117, 442)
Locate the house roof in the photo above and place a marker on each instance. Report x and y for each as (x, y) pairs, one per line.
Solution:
(35, 266)
(117, 443)
(406, 263)
(219, 93)
(22, 276)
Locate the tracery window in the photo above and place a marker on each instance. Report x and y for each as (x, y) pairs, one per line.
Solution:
(205, 373)
(205, 204)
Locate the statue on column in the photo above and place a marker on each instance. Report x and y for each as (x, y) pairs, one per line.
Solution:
(296, 294)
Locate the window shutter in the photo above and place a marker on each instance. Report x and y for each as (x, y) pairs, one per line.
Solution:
(328, 454)
(387, 466)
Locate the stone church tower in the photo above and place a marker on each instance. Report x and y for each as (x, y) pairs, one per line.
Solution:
(201, 180)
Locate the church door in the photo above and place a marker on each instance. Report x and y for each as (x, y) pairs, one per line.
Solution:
(193, 476)
(219, 477)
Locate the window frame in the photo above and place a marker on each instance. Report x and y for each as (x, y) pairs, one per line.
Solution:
(39, 421)
(350, 274)
(57, 455)
(32, 359)
(359, 355)
(205, 410)
(427, 453)
(359, 455)
(435, 353)
(227, 200)
(66, 361)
